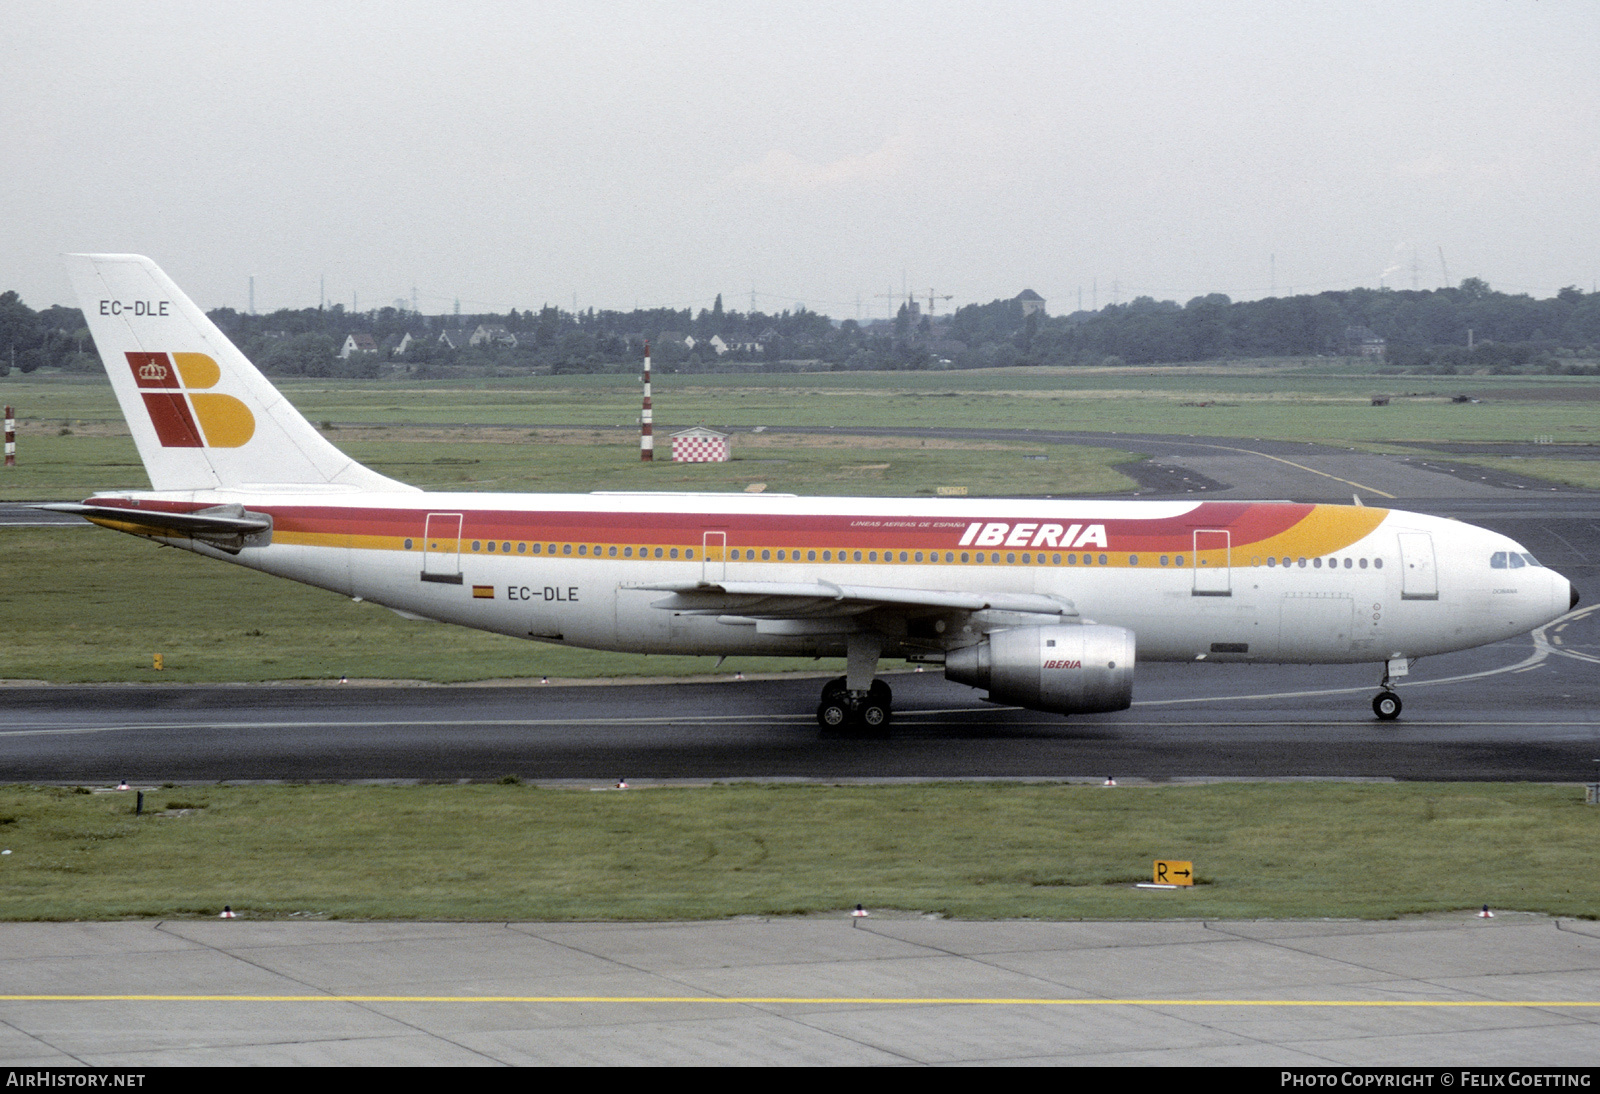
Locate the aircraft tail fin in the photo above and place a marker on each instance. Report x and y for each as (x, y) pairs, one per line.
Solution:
(202, 416)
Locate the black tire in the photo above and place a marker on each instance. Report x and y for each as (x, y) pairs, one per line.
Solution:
(1386, 706)
(833, 690)
(873, 719)
(833, 714)
(879, 693)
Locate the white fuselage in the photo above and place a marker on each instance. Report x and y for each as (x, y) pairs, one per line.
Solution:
(1211, 581)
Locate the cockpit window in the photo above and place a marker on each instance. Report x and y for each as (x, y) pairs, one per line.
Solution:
(1512, 560)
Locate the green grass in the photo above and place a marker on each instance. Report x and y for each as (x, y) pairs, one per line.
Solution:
(1282, 399)
(71, 467)
(509, 852)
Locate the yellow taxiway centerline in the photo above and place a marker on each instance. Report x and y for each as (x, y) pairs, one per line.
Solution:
(798, 1000)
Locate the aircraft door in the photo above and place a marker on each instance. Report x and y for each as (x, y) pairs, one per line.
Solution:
(441, 548)
(1419, 577)
(714, 556)
(1212, 562)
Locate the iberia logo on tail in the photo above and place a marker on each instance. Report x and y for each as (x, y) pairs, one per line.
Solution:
(184, 414)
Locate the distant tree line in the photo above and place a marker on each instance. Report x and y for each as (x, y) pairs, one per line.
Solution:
(1412, 329)
(54, 338)
(1425, 331)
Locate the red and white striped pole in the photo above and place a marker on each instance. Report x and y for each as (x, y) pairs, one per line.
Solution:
(647, 442)
(11, 438)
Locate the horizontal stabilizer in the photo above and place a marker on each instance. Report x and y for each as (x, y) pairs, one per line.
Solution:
(222, 526)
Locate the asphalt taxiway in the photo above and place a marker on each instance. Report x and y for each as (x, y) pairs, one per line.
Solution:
(1523, 709)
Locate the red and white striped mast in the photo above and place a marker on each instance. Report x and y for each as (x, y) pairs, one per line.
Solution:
(11, 438)
(647, 442)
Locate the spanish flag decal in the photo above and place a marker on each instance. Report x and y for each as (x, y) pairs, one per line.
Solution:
(483, 592)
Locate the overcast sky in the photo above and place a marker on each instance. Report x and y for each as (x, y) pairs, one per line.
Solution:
(655, 154)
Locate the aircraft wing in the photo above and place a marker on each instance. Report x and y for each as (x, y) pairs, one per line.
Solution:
(823, 599)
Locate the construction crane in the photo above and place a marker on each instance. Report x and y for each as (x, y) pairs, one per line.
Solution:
(932, 296)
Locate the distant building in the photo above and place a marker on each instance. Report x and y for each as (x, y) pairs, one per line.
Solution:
(1031, 302)
(1363, 342)
(357, 343)
(492, 334)
(453, 339)
(700, 445)
(407, 340)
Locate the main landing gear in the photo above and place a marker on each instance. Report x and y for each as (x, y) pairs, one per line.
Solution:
(858, 702)
(855, 712)
(1387, 704)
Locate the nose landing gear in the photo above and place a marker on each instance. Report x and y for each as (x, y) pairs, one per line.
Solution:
(1387, 704)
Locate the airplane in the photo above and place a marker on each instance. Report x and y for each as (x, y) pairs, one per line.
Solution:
(1046, 604)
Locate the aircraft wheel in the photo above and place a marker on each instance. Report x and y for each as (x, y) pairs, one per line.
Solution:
(874, 717)
(833, 714)
(880, 693)
(1386, 706)
(834, 689)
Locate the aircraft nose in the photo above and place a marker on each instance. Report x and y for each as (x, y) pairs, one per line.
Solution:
(1573, 603)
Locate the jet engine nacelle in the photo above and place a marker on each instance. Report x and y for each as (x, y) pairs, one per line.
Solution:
(1066, 669)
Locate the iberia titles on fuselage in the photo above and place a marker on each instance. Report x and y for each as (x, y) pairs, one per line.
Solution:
(1041, 602)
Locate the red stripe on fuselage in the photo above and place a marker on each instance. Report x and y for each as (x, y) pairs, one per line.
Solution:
(1246, 521)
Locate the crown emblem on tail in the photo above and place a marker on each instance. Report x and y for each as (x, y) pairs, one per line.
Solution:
(152, 370)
